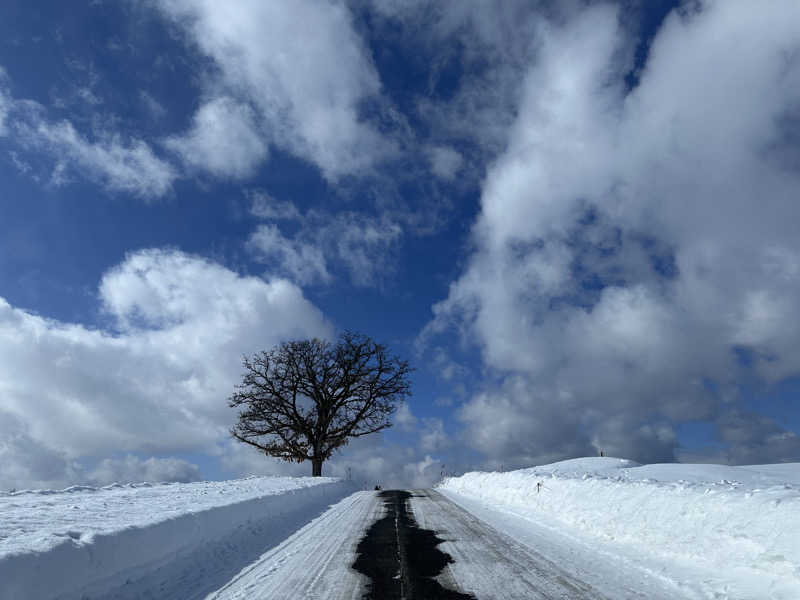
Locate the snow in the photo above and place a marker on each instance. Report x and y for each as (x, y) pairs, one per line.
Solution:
(314, 562)
(662, 531)
(125, 541)
(720, 531)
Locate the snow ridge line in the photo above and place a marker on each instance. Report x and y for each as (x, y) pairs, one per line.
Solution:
(739, 532)
(73, 489)
(200, 550)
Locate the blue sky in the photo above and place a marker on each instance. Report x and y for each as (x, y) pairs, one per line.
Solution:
(576, 219)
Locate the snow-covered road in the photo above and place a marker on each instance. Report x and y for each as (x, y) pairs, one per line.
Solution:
(317, 561)
(582, 561)
(489, 564)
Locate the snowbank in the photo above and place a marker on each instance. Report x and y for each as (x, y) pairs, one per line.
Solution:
(140, 540)
(742, 523)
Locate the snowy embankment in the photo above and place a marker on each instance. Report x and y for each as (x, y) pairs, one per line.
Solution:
(739, 524)
(149, 540)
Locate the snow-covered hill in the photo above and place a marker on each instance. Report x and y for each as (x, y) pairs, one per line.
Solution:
(737, 528)
(704, 531)
(148, 540)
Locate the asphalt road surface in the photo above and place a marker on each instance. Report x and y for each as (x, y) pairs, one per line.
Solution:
(414, 544)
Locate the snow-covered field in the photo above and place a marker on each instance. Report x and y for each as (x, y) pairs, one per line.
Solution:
(149, 540)
(628, 531)
(717, 531)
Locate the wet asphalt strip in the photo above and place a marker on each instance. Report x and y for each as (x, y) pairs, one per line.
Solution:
(401, 559)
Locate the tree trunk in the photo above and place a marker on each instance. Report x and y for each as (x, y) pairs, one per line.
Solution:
(316, 467)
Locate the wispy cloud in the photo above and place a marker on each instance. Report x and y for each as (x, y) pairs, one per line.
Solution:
(300, 258)
(264, 206)
(357, 244)
(118, 163)
(5, 101)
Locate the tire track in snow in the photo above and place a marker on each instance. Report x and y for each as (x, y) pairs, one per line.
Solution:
(315, 561)
(489, 564)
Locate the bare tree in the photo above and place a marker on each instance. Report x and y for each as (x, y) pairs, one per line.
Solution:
(304, 399)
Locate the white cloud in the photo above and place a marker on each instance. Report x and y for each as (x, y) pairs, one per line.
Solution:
(120, 164)
(433, 437)
(301, 63)
(25, 463)
(629, 243)
(363, 245)
(155, 109)
(125, 166)
(404, 418)
(132, 469)
(5, 101)
(224, 139)
(85, 94)
(446, 367)
(302, 261)
(264, 206)
(159, 385)
(445, 161)
(368, 461)
(490, 50)
(22, 166)
(356, 243)
(423, 473)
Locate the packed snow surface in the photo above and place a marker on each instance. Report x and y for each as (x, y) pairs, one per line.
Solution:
(89, 541)
(735, 530)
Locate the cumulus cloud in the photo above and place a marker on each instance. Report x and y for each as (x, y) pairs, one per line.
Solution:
(301, 64)
(155, 381)
(224, 140)
(25, 463)
(633, 245)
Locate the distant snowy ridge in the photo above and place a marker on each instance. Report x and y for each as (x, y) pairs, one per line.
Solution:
(148, 540)
(741, 523)
(86, 488)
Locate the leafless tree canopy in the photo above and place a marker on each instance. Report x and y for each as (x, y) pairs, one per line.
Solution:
(304, 399)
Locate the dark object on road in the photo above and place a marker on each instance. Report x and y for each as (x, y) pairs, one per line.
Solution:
(396, 545)
(377, 488)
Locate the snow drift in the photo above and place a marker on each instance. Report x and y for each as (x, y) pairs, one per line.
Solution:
(741, 523)
(145, 540)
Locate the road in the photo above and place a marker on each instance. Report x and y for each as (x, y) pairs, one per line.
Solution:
(420, 544)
